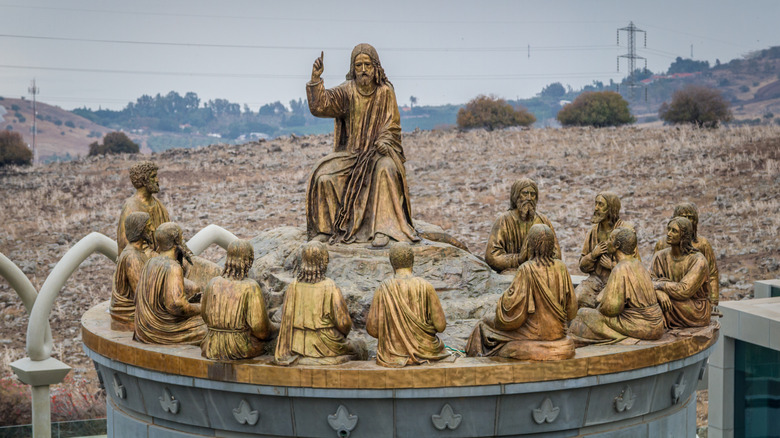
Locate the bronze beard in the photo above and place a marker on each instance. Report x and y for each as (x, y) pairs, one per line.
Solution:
(527, 210)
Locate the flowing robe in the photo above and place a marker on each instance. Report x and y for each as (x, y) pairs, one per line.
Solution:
(685, 281)
(591, 286)
(163, 314)
(703, 245)
(128, 271)
(234, 311)
(315, 322)
(157, 213)
(356, 192)
(628, 308)
(506, 242)
(405, 316)
(536, 307)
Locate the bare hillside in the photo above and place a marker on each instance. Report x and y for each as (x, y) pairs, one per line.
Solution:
(60, 132)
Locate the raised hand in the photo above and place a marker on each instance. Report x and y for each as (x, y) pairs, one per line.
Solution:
(318, 68)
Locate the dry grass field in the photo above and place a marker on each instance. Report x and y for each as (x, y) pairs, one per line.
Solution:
(457, 180)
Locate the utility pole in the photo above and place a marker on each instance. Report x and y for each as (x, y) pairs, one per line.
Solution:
(631, 30)
(34, 90)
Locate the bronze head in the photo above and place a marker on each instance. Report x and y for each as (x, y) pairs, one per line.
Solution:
(314, 262)
(680, 232)
(689, 211)
(240, 256)
(541, 244)
(401, 256)
(144, 174)
(622, 239)
(377, 73)
(523, 196)
(138, 227)
(169, 236)
(607, 207)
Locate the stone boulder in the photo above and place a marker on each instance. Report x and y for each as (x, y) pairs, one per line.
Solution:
(467, 287)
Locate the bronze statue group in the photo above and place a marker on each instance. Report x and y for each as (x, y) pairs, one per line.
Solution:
(168, 296)
(358, 194)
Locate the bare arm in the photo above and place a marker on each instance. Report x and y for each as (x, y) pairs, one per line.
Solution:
(256, 314)
(341, 312)
(372, 321)
(437, 312)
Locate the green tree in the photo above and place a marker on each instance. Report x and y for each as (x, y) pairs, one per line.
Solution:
(696, 104)
(555, 90)
(491, 113)
(13, 150)
(687, 66)
(598, 109)
(114, 143)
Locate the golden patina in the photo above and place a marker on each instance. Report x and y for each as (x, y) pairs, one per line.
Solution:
(129, 265)
(359, 192)
(234, 309)
(627, 306)
(405, 316)
(689, 211)
(164, 313)
(506, 247)
(533, 313)
(143, 175)
(681, 278)
(315, 318)
(594, 259)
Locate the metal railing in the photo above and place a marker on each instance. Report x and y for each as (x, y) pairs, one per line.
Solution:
(39, 369)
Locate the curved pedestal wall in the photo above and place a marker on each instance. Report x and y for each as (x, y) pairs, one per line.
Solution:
(607, 391)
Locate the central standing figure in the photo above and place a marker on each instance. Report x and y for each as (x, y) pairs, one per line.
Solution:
(359, 192)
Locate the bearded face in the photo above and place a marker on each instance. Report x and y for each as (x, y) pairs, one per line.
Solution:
(364, 70)
(601, 212)
(526, 204)
(152, 183)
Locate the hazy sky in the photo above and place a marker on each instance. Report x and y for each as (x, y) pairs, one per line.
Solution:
(107, 53)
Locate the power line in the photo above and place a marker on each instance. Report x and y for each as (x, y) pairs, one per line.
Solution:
(280, 47)
(304, 19)
(299, 76)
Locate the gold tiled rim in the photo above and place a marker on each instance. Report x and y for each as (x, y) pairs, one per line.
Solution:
(186, 360)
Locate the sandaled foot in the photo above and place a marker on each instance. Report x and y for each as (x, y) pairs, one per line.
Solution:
(322, 237)
(380, 240)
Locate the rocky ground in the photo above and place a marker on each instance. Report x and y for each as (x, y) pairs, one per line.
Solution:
(459, 181)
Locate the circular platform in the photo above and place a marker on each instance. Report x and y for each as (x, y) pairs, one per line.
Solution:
(640, 390)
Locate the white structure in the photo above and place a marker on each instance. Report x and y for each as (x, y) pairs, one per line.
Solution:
(744, 368)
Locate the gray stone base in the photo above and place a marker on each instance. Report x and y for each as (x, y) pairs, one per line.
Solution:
(656, 401)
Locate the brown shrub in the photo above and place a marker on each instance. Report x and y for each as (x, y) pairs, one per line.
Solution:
(491, 113)
(13, 150)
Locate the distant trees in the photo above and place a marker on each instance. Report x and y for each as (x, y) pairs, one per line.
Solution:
(491, 112)
(114, 143)
(598, 109)
(13, 150)
(696, 104)
(681, 65)
(555, 90)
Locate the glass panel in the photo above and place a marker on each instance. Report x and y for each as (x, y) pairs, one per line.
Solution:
(756, 391)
